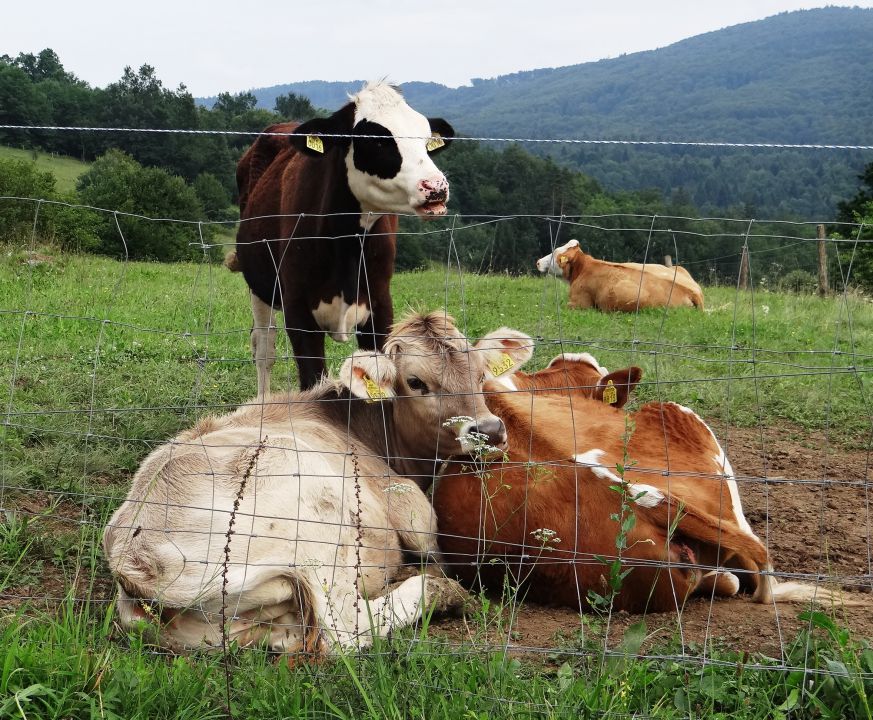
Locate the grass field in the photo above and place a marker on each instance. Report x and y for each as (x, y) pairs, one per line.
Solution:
(102, 360)
(66, 169)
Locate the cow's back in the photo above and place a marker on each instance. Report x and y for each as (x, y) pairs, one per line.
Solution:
(627, 286)
(255, 161)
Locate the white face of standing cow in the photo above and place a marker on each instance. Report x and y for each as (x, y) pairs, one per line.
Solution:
(549, 264)
(388, 154)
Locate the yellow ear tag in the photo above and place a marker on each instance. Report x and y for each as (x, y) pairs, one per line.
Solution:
(315, 143)
(563, 260)
(435, 142)
(498, 367)
(610, 393)
(373, 390)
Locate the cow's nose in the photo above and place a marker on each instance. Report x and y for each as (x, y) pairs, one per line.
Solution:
(435, 189)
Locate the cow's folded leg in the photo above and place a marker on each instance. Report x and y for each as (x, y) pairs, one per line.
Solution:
(352, 621)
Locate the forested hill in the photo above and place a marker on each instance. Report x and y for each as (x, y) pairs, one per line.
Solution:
(799, 77)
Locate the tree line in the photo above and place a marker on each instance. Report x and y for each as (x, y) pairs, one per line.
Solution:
(191, 177)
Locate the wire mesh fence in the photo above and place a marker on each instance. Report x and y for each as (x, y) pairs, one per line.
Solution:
(304, 523)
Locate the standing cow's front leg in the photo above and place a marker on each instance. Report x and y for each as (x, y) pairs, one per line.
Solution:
(307, 341)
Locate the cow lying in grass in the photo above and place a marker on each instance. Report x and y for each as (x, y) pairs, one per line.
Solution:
(626, 287)
(584, 482)
(284, 521)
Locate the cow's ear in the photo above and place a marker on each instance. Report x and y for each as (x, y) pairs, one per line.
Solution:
(505, 351)
(616, 387)
(369, 375)
(310, 137)
(441, 135)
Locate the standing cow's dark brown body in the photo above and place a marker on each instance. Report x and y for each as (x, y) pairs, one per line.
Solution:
(313, 253)
(318, 210)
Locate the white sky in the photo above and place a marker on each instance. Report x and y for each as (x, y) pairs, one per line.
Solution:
(219, 45)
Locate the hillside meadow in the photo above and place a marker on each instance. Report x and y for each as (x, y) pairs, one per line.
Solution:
(65, 169)
(103, 359)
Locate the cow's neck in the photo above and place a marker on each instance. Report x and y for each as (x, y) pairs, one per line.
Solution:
(398, 443)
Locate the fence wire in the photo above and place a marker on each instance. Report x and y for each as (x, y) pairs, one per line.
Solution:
(109, 362)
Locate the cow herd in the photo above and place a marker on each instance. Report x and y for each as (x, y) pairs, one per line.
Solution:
(293, 521)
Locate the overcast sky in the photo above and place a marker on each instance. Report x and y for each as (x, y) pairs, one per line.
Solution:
(221, 45)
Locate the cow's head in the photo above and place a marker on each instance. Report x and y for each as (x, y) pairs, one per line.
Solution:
(555, 261)
(433, 379)
(388, 148)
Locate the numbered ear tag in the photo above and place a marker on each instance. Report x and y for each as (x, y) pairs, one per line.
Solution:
(498, 367)
(610, 393)
(435, 142)
(373, 390)
(315, 143)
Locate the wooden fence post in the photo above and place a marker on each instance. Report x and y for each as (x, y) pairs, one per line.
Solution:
(822, 263)
(668, 260)
(744, 268)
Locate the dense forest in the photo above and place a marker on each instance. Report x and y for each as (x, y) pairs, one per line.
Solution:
(803, 77)
(190, 177)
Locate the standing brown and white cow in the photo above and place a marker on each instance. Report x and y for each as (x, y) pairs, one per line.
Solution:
(285, 520)
(626, 287)
(318, 221)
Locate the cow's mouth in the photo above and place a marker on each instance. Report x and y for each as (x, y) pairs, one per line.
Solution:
(431, 209)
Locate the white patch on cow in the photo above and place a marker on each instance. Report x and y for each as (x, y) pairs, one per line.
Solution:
(652, 495)
(339, 318)
(583, 358)
(505, 381)
(547, 262)
(404, 193)
(592, 459)
(723, 467)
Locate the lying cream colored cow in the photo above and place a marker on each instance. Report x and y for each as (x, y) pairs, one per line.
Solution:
(610, 286)
(283, 520)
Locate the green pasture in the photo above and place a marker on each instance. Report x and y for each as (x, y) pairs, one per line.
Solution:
(65, 169)
(102, 359)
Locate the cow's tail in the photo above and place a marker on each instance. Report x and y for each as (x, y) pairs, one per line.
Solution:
(231, 262)
(772, 590)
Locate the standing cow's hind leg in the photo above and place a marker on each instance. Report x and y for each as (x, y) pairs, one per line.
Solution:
(263, 339)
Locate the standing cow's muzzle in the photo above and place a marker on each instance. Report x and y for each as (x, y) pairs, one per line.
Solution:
(434, 193)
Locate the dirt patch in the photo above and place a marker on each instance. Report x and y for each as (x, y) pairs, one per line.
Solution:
(809, 501)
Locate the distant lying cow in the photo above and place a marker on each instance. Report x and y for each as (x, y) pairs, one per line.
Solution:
(625, 287)
(548, 513)
(287, 519)
(318, 219)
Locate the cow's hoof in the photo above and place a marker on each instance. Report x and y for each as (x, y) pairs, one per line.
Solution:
(444, 595)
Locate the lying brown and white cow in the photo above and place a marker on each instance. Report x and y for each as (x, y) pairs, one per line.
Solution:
(506, 350)
(545, 513)
(626, 287)
(317, 232)
(291, 514)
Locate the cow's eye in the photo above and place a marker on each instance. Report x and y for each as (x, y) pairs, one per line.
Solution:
(416, 384)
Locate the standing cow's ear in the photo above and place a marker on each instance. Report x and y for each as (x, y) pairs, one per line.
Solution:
(369, 375)
(310, 139)
(441, 135)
